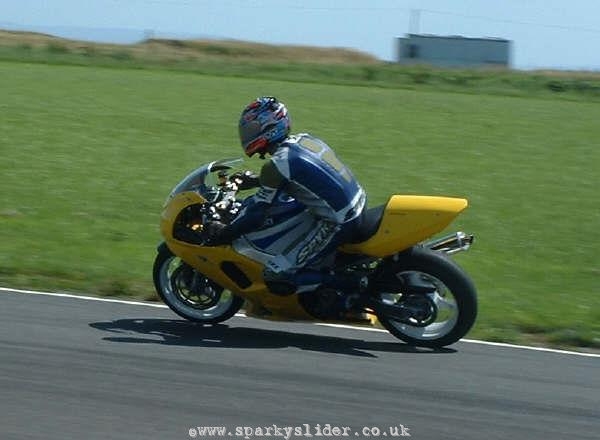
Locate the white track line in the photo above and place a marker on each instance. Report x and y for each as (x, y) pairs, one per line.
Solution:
(526, 347)
(89, 298)
(371, 329)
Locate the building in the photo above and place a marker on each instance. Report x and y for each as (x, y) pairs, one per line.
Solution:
(453, 51)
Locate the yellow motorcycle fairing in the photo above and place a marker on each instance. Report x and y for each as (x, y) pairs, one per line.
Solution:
(408, 220)
(214, 261)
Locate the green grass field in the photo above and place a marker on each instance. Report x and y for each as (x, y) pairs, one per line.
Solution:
(89, 154)
(295, 63)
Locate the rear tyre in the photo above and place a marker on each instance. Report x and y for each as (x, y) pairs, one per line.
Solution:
(448, 310)
(189, 293)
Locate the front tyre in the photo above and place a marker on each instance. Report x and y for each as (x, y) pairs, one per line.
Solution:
(444, 312)
(189, 293)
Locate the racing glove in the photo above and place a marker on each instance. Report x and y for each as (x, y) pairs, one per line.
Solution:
(217, 234)
(245, 180)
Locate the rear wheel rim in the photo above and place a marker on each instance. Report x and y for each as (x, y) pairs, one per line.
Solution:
(445, 303)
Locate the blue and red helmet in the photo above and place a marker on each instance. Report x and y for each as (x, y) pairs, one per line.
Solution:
(264, 123)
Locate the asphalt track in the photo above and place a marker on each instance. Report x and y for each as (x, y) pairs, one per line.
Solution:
(77, 369)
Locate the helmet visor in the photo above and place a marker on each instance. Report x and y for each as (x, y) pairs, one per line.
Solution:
(249, 131)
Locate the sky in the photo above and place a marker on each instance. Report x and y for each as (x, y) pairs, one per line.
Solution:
(555, 34)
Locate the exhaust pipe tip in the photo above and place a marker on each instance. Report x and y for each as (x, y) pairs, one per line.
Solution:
(451, 244)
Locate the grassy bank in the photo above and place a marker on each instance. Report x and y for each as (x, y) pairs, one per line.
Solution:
(296, 64)
(89, 154)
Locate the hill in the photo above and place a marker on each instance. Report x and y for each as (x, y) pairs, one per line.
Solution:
(294, 63)
(171, 49)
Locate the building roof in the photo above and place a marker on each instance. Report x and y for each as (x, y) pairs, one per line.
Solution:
(457, 37)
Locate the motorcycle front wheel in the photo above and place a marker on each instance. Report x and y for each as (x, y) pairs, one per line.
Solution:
(189, 293)
(443, 312)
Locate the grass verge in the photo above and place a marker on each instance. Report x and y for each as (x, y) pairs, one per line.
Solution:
(295, 63)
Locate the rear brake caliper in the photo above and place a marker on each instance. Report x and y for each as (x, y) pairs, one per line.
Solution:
(415, 306)
(421, 310)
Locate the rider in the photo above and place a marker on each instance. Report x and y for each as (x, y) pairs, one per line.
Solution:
(305, 168)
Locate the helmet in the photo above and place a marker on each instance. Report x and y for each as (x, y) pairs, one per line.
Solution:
(263, 124)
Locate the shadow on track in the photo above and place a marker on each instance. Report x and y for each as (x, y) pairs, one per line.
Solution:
(184, 333)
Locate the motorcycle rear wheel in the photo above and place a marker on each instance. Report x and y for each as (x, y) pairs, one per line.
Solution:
(189, 293)
(454, 297)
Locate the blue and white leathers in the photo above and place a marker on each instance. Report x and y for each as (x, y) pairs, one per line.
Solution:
(327, 203)
(315, 177)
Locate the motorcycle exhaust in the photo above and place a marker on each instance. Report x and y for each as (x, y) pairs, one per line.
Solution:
(452, 244)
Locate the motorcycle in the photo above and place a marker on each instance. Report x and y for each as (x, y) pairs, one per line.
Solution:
(415, 290)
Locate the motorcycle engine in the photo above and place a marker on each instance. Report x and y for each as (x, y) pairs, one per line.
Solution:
(323, 303)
